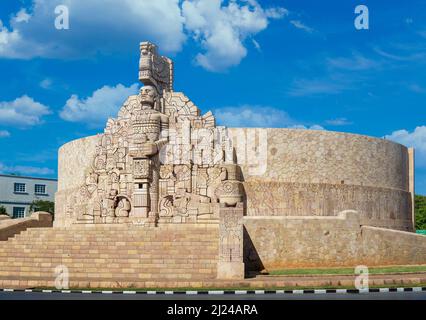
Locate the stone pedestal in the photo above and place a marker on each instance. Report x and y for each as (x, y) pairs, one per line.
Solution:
(230, 270)
(230, 265)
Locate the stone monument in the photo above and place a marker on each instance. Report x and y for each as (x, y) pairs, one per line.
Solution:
(162, 162)
(166, 198)
(277, 197)
(159, 161)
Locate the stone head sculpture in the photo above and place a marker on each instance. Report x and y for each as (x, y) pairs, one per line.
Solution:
(148, 97)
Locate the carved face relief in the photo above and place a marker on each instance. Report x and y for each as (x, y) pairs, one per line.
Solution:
(148, 95)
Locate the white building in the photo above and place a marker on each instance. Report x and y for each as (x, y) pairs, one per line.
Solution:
(18, 192)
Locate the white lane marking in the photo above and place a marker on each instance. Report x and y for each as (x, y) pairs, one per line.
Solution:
(216, 292)
(320, 291)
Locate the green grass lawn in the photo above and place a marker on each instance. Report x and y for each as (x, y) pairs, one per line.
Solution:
(349, 271)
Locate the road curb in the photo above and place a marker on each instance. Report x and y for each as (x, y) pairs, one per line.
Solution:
(231, 292)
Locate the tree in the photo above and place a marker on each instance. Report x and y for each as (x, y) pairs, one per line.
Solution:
(3, 211)
(420, 209)
(42, 205)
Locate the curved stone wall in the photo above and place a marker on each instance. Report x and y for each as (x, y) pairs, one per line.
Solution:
(298, 173)
(320, 173)
(74, 158)
(314, 156)
(380, 207)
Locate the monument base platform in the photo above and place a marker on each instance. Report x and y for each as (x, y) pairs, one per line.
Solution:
(109, 255)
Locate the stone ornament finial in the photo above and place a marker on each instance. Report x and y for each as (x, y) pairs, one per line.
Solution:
(231, 191)
(155, 70)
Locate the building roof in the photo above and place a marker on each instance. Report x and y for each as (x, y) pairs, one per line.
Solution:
(26, 177)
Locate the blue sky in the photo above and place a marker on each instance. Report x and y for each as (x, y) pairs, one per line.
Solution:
(272, 63)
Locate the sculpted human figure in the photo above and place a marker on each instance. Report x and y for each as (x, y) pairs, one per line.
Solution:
(149, 127)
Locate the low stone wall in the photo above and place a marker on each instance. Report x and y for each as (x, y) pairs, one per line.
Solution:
(292, 242)
(393, 247)
(11, 227)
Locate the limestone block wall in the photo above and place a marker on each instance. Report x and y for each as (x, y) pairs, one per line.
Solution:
(291, 242)
(307, 172)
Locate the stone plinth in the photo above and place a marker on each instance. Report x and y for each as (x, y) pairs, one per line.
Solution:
(230, 265)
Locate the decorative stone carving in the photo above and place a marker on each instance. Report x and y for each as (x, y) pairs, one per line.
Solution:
(123, 207)
(230, 265)
(230, 191)
(160, 160)
(154, 69)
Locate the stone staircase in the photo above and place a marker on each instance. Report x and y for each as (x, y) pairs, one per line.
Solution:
(111, 256)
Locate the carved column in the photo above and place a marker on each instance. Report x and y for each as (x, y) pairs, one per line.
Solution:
(141, 179)
(231, 265)
(231, 197)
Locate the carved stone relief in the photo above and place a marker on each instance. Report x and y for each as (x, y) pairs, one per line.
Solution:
(159, 161)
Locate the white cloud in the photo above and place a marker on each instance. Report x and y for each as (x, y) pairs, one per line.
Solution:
(9, 40)
(416, 139)
(46, 83)
(338, 74)
(95, 110)
(4, 134)
(338, 122)
(25, 170)
(303, 127)
(252, 116)
(299, 25)
(259, 117)
(21, 16)
(306, 87)
(95, 26)
(256, 45)
(356, 62)
(22, 112)
(276, 12)
(222, 29)
(410, 56)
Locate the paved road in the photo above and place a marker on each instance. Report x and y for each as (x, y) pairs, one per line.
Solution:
(99, 296)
